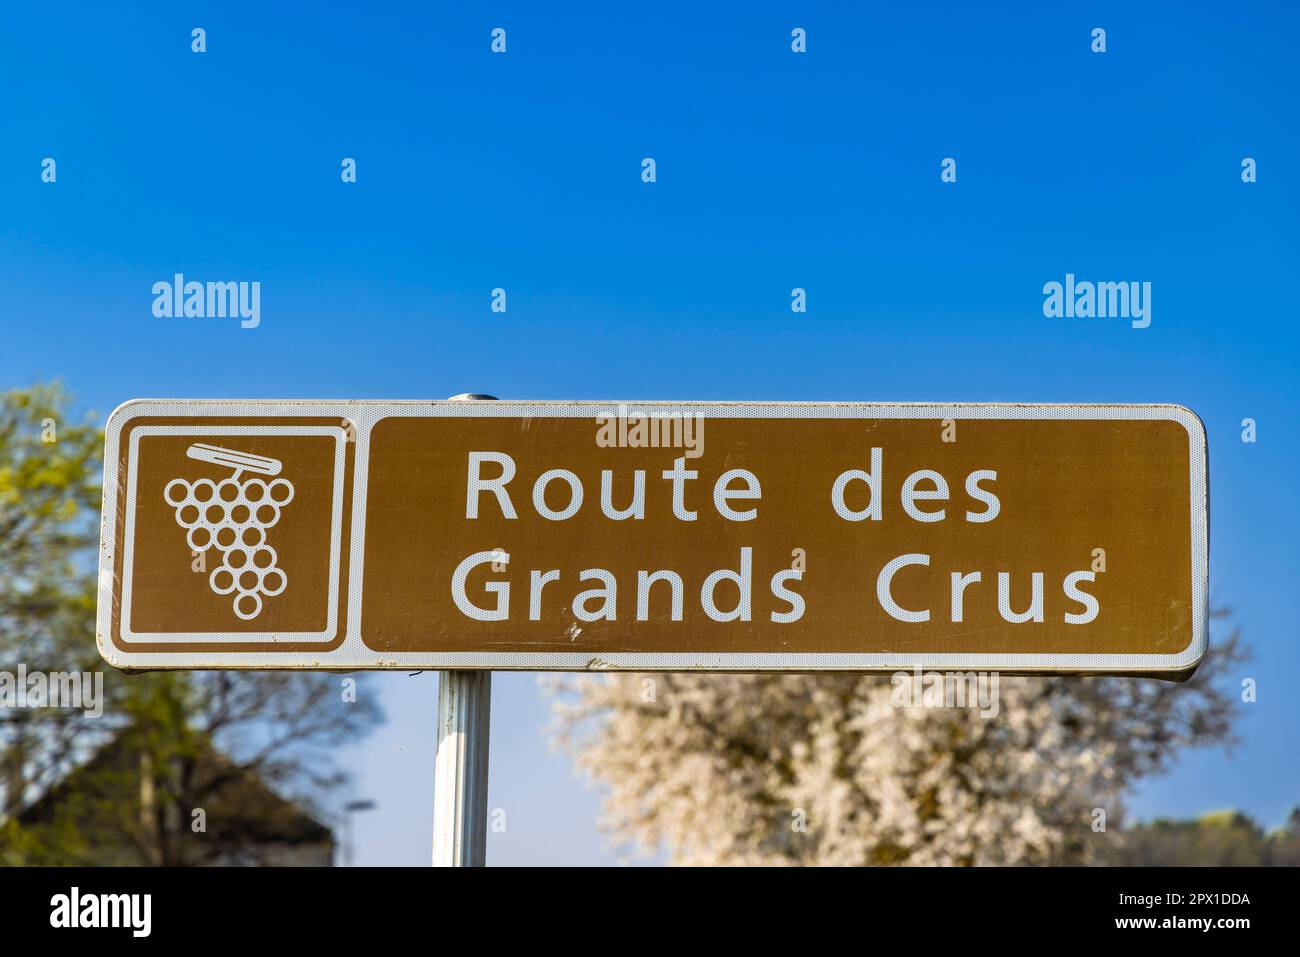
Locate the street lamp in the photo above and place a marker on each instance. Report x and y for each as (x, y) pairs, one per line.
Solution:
(348, 843)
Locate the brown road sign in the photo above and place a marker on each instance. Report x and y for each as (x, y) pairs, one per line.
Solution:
(654, 536)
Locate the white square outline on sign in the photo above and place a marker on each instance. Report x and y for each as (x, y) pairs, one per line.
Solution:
(129, 636)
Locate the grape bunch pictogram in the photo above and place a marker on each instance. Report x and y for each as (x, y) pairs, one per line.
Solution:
(232, 515)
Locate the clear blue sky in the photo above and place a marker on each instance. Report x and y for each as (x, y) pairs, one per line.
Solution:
(775, 170)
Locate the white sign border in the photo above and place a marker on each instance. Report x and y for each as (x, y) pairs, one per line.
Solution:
(353, 655)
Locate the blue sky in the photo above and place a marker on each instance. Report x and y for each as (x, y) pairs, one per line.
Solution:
(775, 170)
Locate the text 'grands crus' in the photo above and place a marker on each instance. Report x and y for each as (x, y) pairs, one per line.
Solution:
(736, 496)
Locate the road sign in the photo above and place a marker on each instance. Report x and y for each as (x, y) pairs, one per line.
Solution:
(654, 536)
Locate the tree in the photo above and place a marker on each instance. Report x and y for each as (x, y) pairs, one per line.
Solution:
(1284, 843)
(49, 497)
(795, 769)
(1219, 839)
(278, 726)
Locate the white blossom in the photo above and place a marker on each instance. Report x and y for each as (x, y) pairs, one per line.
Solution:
(717, 768)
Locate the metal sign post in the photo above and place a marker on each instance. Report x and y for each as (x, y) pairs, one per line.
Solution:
(461, 767)
(461, 773)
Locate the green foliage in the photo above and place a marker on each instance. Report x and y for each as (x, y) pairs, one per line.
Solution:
(1217, 839)
(49, 507)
